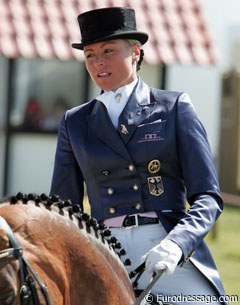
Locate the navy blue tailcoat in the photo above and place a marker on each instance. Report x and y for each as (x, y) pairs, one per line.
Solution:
(157, 160)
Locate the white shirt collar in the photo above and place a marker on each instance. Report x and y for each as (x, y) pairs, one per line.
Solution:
(125, 91)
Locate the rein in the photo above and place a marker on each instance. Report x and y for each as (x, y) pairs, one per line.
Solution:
(142, 294)
(27, 275)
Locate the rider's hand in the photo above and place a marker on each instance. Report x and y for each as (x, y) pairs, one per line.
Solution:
(164, 256)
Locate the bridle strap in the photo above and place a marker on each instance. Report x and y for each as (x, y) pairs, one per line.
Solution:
(41, 285)
(16, 251)
(24, 290)
(8, 253)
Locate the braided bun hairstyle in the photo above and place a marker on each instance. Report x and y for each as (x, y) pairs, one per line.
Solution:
(140, 60)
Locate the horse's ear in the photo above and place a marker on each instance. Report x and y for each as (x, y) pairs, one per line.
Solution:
(4, 240)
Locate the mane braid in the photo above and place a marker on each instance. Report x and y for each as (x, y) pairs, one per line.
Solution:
(73, 211)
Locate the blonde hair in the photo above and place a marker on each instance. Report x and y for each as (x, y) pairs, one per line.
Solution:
(133, 42)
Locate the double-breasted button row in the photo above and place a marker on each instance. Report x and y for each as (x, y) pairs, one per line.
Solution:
(136, 187)
(112, 210)
(131, 167)
(137, 206)
(110, 190)
(107, 172)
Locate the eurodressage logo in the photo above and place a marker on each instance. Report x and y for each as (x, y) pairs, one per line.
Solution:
(150, 298)
(182, 298)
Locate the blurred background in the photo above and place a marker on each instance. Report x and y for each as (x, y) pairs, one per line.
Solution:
(194, 46)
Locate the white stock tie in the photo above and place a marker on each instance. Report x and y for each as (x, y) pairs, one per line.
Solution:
(115, 101)
(116, 105)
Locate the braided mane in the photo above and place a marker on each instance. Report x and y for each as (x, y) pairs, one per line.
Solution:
(73, 212)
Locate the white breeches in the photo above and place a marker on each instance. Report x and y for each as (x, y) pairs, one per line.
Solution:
(186, 286)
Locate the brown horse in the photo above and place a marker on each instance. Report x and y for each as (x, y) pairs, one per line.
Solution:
(70, 253)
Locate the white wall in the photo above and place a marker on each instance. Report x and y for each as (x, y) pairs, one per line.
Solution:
(203, 86)
(204, 83)
(32, 158)
(223, 16)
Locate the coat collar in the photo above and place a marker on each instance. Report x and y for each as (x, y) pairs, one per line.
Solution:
(101, 124)
(137, 109)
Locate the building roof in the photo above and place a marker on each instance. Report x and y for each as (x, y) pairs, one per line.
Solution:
(178, 31)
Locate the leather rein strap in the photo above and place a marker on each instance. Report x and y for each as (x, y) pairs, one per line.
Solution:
(27, 275)
(140, 300)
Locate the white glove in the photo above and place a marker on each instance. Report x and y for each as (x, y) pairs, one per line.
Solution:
(164, 256)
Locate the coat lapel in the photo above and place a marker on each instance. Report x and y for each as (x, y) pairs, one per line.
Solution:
(136, 111)
(102, 126)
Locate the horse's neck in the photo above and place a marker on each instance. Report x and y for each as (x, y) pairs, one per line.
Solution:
(99, 273)
(76, 266)
(96, 273)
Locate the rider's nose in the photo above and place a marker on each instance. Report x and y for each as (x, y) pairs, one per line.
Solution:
(99, 60)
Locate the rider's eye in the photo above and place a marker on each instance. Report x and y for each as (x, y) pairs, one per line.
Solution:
(107, 51)
(90, 55)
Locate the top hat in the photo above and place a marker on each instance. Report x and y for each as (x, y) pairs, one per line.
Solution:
(107, 24)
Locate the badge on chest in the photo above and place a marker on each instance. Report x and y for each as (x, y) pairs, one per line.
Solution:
(155, 185)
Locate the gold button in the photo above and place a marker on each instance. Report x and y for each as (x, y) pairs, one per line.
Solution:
(110, 191)
(131, 167)
(112, 210)
(136, 187)
(138, 206)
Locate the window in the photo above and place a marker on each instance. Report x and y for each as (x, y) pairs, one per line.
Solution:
(43, 91)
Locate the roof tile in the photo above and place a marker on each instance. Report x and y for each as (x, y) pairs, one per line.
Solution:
(178, 30)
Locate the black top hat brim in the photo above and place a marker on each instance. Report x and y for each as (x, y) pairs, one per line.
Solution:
(136, 35)
(108, 24)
